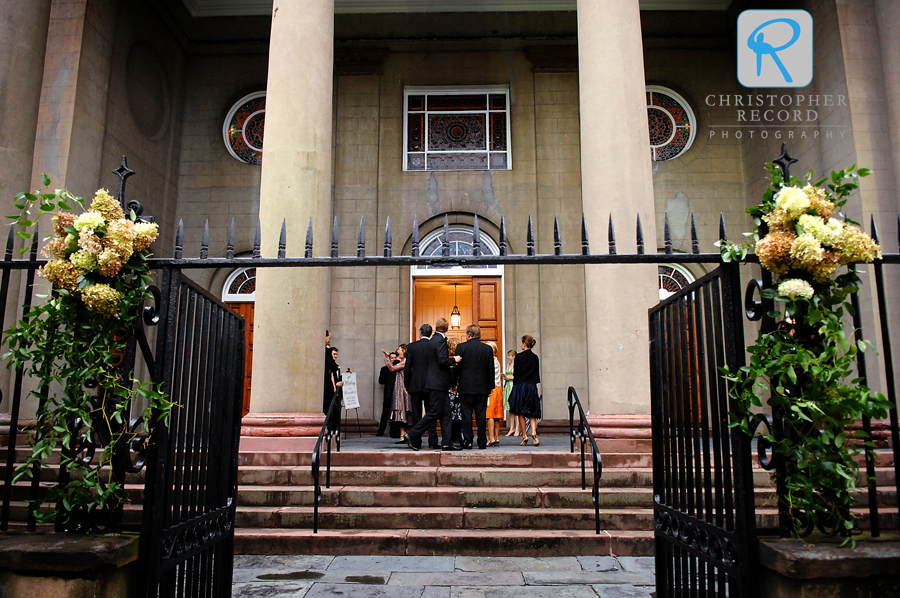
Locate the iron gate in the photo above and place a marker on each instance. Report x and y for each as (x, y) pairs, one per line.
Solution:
(702, 471)
(187, 532)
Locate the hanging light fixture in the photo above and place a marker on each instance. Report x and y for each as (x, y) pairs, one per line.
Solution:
(454, 315)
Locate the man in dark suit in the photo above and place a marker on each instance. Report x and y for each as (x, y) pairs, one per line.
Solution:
(414, 378)
(387, 379)
(437, 383)
(474, 380)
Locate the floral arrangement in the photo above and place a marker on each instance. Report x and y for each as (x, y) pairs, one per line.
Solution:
(804, 369)
(71, 343)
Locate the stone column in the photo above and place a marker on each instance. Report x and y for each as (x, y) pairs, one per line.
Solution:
(23, 29)
(616, 179)
(292, 305)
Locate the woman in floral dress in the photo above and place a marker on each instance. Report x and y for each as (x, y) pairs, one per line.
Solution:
(401, 410)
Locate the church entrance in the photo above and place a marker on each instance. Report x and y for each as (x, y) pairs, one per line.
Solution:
(477, 299)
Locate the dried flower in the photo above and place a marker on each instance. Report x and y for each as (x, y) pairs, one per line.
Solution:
(145, 234)
(62, 273)
(818, 201)
(856, 246)
(774, 251)
(806, 252)
(109, 263)
(61, 221)
(107, 205)
(826, 268)
(779, 220)
(83, 260)
(89, 221)
(793, 201)
(119, 237)
(827, 233)
(102, 299)
(90, 242)
(795, 287)
(56, 248)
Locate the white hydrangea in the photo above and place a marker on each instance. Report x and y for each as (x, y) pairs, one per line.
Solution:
(793, 201)
(795, 287)
(88, 221)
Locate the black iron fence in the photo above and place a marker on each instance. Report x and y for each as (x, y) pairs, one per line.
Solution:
(186, 559)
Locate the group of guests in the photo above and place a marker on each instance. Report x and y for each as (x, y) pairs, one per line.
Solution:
(438, 379)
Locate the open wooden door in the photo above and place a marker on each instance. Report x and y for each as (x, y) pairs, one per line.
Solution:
(246, 309)
(487, 295)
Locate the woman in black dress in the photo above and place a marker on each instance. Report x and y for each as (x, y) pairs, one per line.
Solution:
(524, 400)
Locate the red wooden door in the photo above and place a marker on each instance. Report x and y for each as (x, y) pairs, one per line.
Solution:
(246, 310)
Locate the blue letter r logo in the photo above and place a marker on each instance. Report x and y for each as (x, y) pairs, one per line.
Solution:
(777, 48)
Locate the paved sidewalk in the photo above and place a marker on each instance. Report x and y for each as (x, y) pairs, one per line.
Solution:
(442, 577)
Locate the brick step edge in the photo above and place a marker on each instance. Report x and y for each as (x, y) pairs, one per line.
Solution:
(415, 542)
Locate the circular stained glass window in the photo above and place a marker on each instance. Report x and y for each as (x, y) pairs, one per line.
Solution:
(244, 126)
(671, 121)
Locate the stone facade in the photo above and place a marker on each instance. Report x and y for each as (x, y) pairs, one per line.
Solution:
(150, 81)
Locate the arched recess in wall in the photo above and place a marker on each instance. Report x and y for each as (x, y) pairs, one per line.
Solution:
(239, 293)
(476, 292)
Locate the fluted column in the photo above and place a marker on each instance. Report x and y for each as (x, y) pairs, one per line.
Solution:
(616, 179)
(292, 304)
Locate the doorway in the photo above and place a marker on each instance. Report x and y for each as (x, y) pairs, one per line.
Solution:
(478, 298)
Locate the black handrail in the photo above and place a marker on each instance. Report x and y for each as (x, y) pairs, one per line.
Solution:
(327, 433)
(585, 433)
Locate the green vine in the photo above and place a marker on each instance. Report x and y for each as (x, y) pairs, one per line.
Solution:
(72, 342)
(803, 370)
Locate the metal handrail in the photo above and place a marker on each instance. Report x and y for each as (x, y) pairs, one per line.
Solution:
(327, 433)
(585, 433)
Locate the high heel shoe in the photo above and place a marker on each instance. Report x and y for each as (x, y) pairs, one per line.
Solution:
(510, 433)
(524, 441)
(536, 441)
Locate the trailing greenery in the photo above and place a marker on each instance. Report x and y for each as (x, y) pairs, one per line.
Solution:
(72, 342)
(803, 370)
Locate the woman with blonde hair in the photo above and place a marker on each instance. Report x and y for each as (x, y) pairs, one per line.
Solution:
(494, 411)
(507, 376)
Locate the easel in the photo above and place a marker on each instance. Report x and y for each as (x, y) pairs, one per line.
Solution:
(351, 400)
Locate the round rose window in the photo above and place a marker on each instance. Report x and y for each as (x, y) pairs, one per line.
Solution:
(244, 126)
(671, 121)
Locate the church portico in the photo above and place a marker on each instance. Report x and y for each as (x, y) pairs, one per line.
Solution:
(335, 84)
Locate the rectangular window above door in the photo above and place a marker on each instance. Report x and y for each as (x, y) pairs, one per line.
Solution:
(456, 128)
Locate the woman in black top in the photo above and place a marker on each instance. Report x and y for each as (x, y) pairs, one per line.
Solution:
(524, 400)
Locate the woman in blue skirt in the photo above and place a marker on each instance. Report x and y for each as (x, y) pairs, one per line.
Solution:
(524, 400)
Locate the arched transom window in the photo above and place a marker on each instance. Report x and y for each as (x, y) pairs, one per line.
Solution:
(240, 286)
(672, 279)
(460, 238)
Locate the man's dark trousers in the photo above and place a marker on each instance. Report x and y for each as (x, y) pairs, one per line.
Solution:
(438, 408)
(477, 404)
(420, 403)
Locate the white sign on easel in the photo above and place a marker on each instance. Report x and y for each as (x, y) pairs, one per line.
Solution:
(351, 396)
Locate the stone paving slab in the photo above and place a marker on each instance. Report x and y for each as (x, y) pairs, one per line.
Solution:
(518, 563)
(321, 590)
(525, 592)
(638, 564)
(622, 591)
(460, 578)
(599, 563)
(564, 578)
(399, 564)
(270, 590)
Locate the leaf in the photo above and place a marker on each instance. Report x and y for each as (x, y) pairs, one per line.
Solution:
(45, 179)
(791, 374)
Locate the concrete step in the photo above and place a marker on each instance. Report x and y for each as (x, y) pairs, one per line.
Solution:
(433, 458)
(443, 518)
(433, 542)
